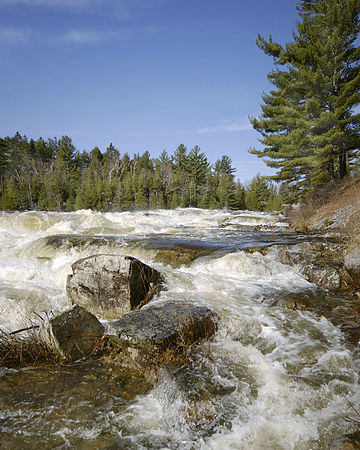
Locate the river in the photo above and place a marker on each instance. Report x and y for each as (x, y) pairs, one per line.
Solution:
(271, 378)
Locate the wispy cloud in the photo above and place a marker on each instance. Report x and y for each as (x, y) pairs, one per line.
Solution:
(228, 126)
(99, 36)
(12, 35)
(92, 37)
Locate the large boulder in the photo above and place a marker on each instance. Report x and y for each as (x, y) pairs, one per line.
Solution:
(157, 328)
(111, 285)
(72, 334)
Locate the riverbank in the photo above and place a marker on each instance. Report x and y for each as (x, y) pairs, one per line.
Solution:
(335, 213)
(333, 210)
(332, 261)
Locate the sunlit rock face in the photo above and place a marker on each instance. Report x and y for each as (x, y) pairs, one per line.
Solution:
(111, 285)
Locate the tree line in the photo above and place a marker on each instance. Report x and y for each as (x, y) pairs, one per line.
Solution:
(53, 175)
(310, 122)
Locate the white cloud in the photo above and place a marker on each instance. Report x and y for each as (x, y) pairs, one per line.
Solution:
(226, 127)
(12, 35)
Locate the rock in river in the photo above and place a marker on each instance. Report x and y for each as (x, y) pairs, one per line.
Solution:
(72, 334)
(111, 285)
(165, 326)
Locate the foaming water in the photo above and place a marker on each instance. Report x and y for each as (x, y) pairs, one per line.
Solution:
(271, 379)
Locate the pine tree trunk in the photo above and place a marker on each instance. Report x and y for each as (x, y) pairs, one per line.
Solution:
(342, 163)
(331, 170)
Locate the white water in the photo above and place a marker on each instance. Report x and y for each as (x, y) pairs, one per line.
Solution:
(271, 379)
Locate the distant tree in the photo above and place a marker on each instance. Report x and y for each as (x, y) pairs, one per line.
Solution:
(4, 157)
(198, 169)
(54, 175)
(65, 153)
(257, 194)
(238, 197)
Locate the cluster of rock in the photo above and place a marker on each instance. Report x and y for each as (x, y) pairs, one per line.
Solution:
(328, 262)
(320, 261)
(324, 261)
(113, 286)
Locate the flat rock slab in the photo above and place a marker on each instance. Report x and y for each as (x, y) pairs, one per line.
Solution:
(164, 326)
(111, 285)
(72, 334)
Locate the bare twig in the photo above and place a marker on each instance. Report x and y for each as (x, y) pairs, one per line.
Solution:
(24, 329)
(354, 409)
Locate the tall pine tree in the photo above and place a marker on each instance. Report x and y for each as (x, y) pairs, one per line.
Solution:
(309, 127)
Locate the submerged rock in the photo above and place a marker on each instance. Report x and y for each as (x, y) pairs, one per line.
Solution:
(171, 251)
(72, 334)
(111, 285)
(341, 311)
(157, 328)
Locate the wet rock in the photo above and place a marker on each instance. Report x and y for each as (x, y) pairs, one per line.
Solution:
(72, 334)
(47, 247)
(157, 328)
(111, 285)
(171, 252)
(180, 255)
(262, 250)
(325, 276)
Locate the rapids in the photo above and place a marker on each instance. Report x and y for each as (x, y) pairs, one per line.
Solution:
(271, 379)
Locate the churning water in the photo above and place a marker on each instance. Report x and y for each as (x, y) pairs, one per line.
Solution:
(271, 379)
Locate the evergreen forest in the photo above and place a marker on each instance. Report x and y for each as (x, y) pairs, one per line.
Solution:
(53, 175)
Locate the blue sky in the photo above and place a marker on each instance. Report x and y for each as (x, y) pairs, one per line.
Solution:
(142, 74)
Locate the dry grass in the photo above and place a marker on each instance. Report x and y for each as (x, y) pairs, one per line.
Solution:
(324, 202)
(24, 349)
